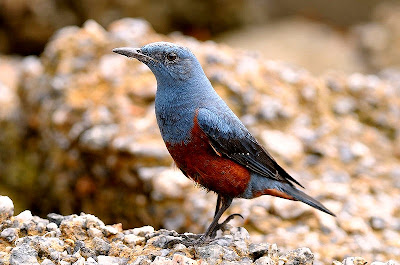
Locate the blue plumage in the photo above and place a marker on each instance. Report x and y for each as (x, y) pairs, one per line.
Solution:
(206, 139)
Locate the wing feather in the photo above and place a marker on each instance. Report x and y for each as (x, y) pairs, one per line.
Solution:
(229, 137)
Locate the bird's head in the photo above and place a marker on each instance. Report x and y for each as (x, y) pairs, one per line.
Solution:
(169, 62)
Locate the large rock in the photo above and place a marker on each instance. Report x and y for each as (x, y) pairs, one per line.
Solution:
(96, 145)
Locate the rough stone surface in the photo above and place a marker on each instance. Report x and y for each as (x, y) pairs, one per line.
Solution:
(233, 246)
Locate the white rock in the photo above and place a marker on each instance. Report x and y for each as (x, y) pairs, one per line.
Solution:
(6, 208)
(143, 231)
(264, 261)
(24, 216)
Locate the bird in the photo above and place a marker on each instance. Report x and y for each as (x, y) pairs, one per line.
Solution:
(206, 140)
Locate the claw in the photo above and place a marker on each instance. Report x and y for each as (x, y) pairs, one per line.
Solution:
(224, 223)
(194, 240)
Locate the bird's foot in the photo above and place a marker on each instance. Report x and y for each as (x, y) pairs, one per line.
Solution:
(191, 240)
(222, 226)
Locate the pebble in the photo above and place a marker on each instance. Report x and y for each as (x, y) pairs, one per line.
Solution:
(24, 216)
(46, 261)
(264, 261)
(143, 231)
(101, 246)
(107, 260)
(9, 234)
(23, 254)
(134, 239)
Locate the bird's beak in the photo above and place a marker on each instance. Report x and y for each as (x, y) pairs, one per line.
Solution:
(133, 53)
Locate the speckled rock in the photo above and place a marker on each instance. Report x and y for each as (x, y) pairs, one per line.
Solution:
(23, 254)
(233, 246)
(74, 244)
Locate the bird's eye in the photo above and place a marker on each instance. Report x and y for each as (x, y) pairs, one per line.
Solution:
(171, 56)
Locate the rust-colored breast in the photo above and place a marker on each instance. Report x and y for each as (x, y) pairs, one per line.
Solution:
(207, 167)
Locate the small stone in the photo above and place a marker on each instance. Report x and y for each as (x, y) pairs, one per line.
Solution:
(51, 227)
(94, 232)
(91, 220)
(143, 231)
(377, 223)
(258, 250)
(9, 234)
(264, 261)
(47, 262)
(179, 247)
(134, 239)
(55, 218)
(240, 233)
(100, 246)
(6, 208)
(302, 256)
(23, 254)
(183, 260)
(354, 261)
(24, 216)
(108, 260)
(109, 230)
(223, 241)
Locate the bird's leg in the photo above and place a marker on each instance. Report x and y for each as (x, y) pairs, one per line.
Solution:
(222, 225)
(214, 226)
(218, 205)
(223, 204)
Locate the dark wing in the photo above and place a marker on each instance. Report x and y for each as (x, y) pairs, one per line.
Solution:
(229, 137)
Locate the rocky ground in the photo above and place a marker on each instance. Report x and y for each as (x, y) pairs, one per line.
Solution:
(85, 239)
(79, 134)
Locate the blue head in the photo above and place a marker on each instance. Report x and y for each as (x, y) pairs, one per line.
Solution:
(170, 63)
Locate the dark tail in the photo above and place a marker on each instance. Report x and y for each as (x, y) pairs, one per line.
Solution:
(301, 196)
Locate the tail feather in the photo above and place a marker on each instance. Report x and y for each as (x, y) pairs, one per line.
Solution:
(301, 196)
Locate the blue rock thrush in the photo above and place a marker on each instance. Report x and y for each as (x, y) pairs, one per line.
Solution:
(207, 141)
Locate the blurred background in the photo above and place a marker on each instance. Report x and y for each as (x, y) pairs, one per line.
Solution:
(290, 30)
(317, 81)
